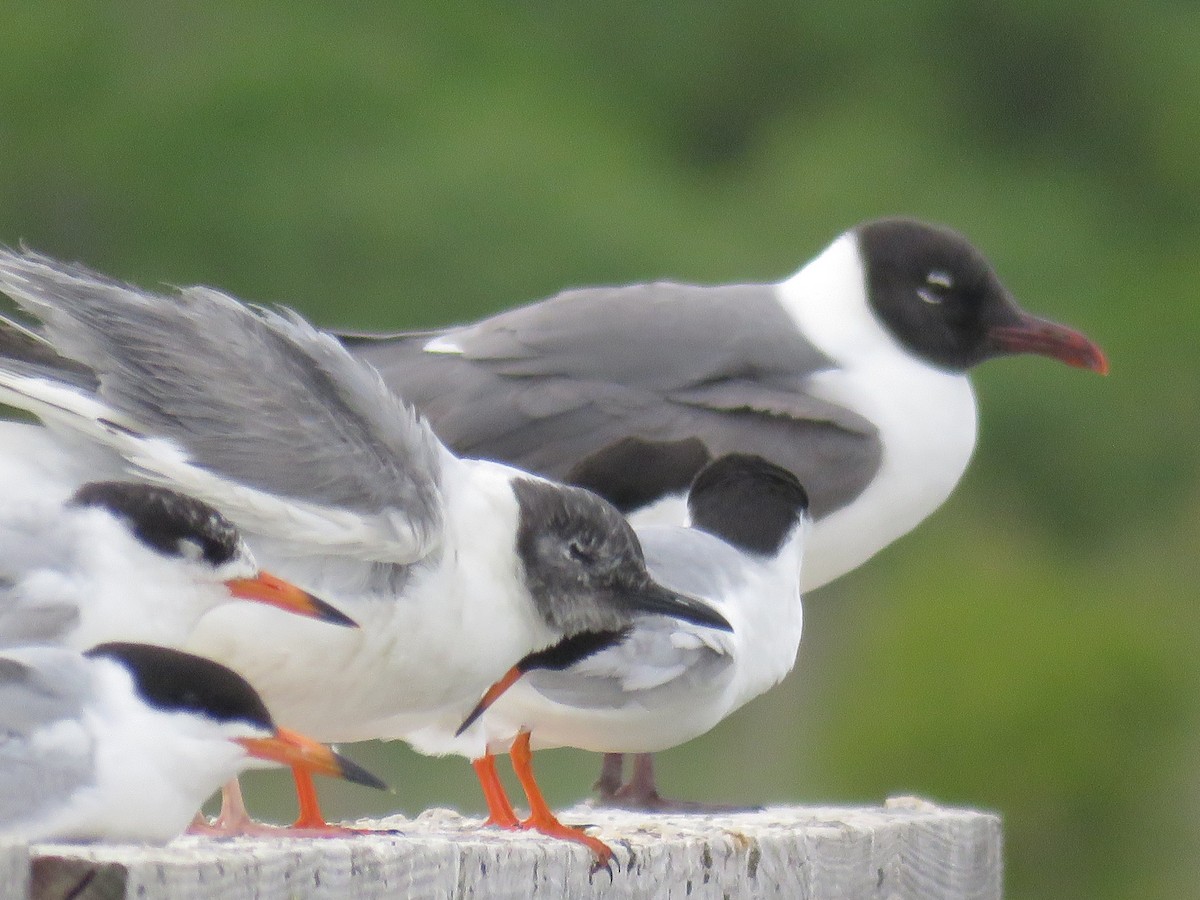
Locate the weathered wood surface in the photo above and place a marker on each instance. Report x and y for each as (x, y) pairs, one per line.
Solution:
(905, 849)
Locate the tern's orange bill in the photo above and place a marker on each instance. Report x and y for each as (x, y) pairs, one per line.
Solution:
(266, 588)
(292, 749)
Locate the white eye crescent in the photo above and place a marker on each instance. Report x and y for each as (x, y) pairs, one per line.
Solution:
(937, 282)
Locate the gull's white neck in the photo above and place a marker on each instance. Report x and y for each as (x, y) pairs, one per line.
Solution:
(925, 415)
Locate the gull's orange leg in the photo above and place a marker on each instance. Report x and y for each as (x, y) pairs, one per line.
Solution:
(540, 817)
(500, 811)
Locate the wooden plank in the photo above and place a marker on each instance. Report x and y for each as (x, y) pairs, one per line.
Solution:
(907, 848)
(14, 870)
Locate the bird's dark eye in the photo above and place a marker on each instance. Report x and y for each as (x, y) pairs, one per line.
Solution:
(580, 553)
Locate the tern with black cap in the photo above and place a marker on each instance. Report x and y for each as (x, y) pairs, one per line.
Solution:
(454, 568)
(120, 560)
(126, 741)
(661, 683)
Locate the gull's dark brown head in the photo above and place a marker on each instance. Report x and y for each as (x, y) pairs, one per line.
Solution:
(942, 300)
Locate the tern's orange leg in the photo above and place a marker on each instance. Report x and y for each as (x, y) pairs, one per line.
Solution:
(311, 821)
(540, 817)
(500, 811)
(310, 807)
(233, 818)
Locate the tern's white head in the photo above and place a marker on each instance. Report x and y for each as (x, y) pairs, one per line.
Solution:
(152, 560)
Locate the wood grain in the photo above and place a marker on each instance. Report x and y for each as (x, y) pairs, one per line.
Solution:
(905, 849)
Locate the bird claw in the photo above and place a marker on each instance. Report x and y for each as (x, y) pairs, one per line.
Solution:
(605, 865)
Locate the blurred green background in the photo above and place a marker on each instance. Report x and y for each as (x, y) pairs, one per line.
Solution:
(1031, 648)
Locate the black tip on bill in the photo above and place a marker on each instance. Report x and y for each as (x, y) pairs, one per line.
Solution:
(323, 612)
(472, 717)
(356, 774)
(658, 600)
(702, 614)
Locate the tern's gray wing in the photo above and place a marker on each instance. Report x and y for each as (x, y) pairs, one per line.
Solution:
(657, 661)
(38, 591)
(23, 622)
(551, 384)
(258, 398)
(661, 657)
(45, 755)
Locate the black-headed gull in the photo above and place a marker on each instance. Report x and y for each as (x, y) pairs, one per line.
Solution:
(852, 374)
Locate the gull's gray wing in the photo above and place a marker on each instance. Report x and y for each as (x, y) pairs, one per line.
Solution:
(260, 399)
(45, 754)
(552, 384)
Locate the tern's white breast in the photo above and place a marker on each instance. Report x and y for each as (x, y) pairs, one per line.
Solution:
(150, 770)
(434, 638)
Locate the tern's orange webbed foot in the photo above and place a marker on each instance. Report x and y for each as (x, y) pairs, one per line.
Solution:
(541, 819)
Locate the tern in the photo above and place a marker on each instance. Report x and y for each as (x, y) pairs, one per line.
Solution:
(120, 560)
(125, 741)
(454, 568)
(117, 560)
(663, 682)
